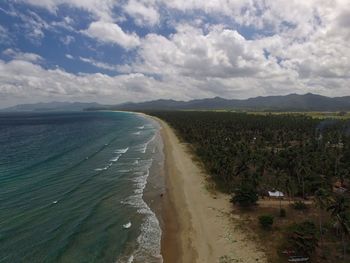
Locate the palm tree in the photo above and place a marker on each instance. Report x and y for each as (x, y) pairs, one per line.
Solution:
(321, 199)
(338, 209)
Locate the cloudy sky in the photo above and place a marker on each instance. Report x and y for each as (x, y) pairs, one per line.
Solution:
(112, 51)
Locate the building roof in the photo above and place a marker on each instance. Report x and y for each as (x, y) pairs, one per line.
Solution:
(275, 194)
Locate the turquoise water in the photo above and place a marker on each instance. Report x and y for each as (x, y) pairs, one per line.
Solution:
(68, 184)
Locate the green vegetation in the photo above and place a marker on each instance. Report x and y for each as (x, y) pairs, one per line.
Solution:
(299, 205)
(302, 238)
(293, 153)
(266, 221)
(245, 195)
(305, 157)
(283, 212)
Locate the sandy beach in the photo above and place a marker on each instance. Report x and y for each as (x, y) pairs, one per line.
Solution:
(199, 225)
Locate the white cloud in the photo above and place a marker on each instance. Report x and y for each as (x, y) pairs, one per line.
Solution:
(23, 81)
(112, 33)
(101, 9)
(144, 12)
(4, 36)
(66, 23)
(219, 53)
(69, 56)
(99, 64)
(67, 40)
(18, 55)
(292, 46)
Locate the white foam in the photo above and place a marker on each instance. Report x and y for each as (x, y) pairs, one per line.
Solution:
(101, 169)
(124, 171)
(104, 168)
(147, 143)
(143, 147)
(137, 133)
(150, 237)
(115, 159)
(141, 127)
(122, 150)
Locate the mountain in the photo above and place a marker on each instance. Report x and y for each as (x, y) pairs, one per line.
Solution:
(52, 106)
(292, 102)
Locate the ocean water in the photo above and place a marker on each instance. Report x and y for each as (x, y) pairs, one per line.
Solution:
(70, 181)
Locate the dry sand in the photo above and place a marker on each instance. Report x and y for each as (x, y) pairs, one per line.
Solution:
(199, 226)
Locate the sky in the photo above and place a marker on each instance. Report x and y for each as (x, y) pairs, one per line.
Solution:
(114, 51)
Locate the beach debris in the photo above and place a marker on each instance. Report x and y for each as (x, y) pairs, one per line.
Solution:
(127, 225)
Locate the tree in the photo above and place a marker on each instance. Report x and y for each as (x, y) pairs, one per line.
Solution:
(321, 200)
(338, 209)
(266, 221)
(302, 238)
(245, 196)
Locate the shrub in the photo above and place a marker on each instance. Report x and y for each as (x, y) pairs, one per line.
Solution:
(245, 196)
(302, 237)
(266, 221)
(283, 212)
(299, 205)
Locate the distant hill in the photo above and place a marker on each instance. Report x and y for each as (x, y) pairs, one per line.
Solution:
(292, 102)
(52, 106)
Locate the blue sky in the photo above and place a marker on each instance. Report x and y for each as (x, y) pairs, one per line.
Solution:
(112, 51)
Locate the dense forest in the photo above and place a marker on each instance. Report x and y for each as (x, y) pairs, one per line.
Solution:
(247, 155)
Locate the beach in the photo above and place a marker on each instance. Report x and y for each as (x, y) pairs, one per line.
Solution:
(198, 224)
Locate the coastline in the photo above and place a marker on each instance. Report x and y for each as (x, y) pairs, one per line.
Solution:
(197, 225)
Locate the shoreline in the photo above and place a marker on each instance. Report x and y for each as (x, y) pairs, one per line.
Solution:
(198, 226)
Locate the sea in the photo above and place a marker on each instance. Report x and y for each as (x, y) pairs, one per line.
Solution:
(80, 187)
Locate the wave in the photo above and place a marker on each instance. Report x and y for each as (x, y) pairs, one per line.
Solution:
(115, 159)
(104, 168)
(150, 237)
(141, 127)
(119, 151)
(137, 133)
(124, 171)
(143, 147)
(147, 143)
(131, 259)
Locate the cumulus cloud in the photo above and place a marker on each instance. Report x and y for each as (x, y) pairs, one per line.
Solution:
(220, 53)
(112, 33)
(25, 81)
(144, 12)
(235, 49)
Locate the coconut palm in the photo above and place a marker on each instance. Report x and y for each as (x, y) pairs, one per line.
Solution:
(338, 209)
(321, 201)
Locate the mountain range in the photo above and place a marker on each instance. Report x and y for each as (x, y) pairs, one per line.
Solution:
(291, 102)
(51, 106)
